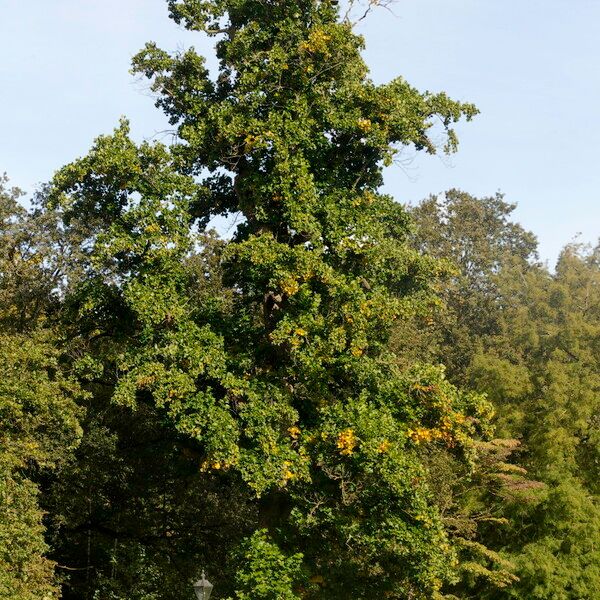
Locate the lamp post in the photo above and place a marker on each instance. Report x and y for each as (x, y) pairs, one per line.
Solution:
(203, 588)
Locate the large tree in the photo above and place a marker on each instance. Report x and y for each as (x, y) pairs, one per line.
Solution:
(266, 359)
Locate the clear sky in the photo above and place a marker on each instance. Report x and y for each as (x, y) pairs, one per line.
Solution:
(531, 66)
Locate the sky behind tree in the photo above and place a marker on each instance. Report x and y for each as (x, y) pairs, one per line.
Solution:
(531, 67)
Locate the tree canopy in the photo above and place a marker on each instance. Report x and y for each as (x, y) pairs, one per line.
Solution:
(346, 397)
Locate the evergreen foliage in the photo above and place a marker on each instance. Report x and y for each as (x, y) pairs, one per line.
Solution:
(534, 351)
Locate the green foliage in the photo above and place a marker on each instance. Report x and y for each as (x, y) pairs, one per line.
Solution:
(39, 428)
(268, 355)
(533, 350)
(479, 239)
(273, 407)
(38, 413)
(267, 573)
(557, 418)
(31, 262)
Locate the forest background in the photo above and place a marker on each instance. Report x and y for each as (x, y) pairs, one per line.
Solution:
(345, 397)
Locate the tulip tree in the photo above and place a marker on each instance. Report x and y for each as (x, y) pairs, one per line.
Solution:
(277, 371)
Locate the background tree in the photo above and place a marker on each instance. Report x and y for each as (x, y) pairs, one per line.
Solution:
(528, 339)
(37, 399)
(553, 328)
(478, 237)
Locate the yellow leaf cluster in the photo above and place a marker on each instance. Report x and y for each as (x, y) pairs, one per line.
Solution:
(365, 199)
(347, 442)
(317, 42)
(364, 124)
(152, 228)
(290, 286)
(215, 465)
(287, 473)
(384, 446)
(424, 434)
(446, 430)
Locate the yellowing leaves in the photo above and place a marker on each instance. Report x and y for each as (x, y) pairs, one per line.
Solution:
(216, 465)
(448, 430)
(153, 228)
(297, 337)
(365, 199)
(294, 432)
(424, 518)
(145, 381)
(288, 474)
(347, 442)
(317, 42)
(384, 446)
(365, 308)
(251, 141)
(423, 388)
(459, 418)
(426, 434)
(290, 286)
(364, 125)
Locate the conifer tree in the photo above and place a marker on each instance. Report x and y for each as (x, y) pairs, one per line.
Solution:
(528, 339)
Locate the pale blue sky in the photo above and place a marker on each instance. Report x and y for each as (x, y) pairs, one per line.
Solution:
(532, 67)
